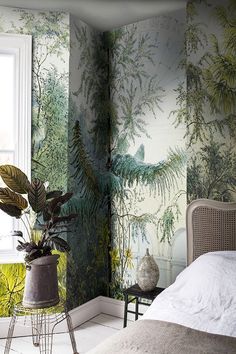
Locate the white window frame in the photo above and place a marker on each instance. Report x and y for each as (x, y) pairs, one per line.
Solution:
(21, 47)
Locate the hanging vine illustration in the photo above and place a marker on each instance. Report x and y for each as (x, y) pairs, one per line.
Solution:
(120, 94)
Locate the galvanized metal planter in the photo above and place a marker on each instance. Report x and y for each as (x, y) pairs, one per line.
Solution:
(41, 283)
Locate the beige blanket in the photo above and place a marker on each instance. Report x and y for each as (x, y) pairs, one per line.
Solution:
(158, 337)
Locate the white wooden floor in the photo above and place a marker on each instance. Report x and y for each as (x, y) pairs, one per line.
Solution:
(87, 336)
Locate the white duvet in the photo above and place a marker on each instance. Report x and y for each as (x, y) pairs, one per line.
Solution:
(203, 296)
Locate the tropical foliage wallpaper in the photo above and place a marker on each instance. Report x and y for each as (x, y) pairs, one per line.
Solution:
(50, 68)
(145, 73)
(88, 266)
(137, 122)
(210, 100)
(115, 95)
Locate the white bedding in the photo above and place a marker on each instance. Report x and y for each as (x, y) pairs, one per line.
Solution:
(203, 296)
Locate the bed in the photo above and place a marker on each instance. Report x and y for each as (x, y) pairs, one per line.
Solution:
(197, 313)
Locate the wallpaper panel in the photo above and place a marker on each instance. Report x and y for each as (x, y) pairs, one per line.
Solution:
(50, 35)
(147, 149)
(211, 100)
(88, 270)
(122, 93)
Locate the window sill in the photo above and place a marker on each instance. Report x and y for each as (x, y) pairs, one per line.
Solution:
(11, 258)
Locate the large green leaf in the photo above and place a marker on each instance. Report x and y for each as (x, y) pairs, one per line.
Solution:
(37, 195)
(12, 198)
(53, 207)
(11, 210)
(14, 178)
(53, 194)
(59, 244)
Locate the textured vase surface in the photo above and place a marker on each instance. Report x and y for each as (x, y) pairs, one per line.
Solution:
(147, 273)
(41, 283)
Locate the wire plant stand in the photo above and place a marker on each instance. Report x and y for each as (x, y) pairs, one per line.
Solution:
(42, 323)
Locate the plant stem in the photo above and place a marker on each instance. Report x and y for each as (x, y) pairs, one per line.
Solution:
(27, 219)
(26, 228)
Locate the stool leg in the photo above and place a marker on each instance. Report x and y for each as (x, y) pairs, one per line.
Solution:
(10, 334)
(71, 333)
(125, 310)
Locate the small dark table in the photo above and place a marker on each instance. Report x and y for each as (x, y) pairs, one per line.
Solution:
(137, 294)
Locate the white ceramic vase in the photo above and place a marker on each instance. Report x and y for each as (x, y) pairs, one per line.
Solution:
(147, 273)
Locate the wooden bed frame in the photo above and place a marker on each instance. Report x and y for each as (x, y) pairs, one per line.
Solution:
(211, 226)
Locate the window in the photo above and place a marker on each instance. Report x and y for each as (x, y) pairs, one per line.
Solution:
(15, 124)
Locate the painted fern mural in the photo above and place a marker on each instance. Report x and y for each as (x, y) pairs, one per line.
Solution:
(210, 75)
(212, 172)
(139, 96)
(50, 68)
(210, 102)
(109, 178)
(50, 34)
(132, 98)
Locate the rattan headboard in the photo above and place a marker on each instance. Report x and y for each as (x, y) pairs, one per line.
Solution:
(211, 226)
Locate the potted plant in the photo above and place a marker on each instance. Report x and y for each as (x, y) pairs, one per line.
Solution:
(38, 209)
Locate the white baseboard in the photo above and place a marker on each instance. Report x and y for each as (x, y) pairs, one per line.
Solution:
(79, 315)
(115, 307)
(85, 312)
(111, 306)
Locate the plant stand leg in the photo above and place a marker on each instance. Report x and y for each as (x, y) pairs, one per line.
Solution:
(36, 322)
(10, 334)
(71, 333)
(45, 336)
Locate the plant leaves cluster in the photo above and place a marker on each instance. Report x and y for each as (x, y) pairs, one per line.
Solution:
(46, 206)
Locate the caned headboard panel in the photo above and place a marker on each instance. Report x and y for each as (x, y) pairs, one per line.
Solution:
(211, 226)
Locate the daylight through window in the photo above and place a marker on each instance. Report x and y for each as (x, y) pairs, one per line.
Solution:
(15, 122)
